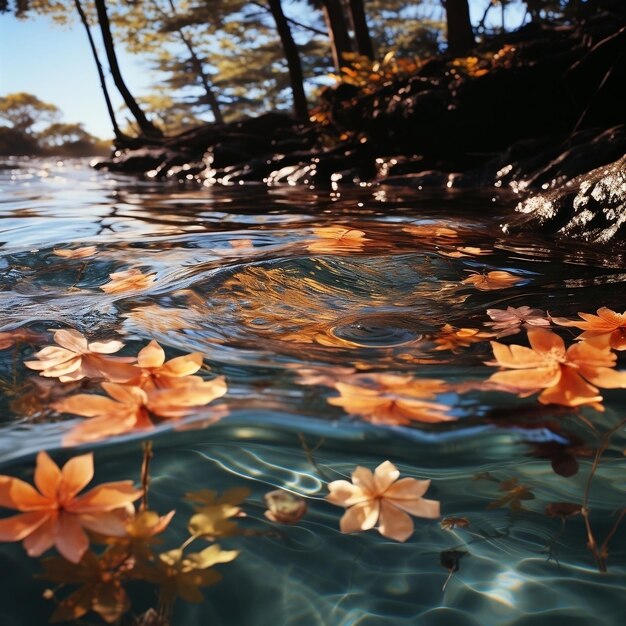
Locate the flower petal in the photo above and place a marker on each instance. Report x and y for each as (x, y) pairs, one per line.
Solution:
(363, 478)
(71, 340)
(18, 527)
(571, 390)
(77, 473)
(183, 365)
(105, 347)
(47, 475)
(42, 538)
(407, 489)
(394, 523)
(151, 356)
(362, 516)
(343, 493)
(421, 507)
(542, 340)
(17, 494)
(106, 497)
(385, 474)
(70, 538)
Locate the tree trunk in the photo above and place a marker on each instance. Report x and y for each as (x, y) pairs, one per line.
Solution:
(199, 68)
(460, 33)
(83, 18)
(293, 60)
(146, 126)
(361, 30)
(204, 79)
(337, 31)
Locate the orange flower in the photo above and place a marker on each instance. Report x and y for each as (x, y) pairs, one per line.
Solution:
(382, 498)
(129, 280)
(76, 359)
(567, 377)
(131, 408)
(334, 239)
(510, 321)
(77, 253)
(284, 507)
(452, 338)
(390, 399)
(55, 515)
(157, 374)
(608, 327)
(492, 280)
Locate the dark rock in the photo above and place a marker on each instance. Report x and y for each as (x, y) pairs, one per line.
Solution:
(591, 207)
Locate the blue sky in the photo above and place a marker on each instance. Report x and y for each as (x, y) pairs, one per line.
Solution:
(54, 63)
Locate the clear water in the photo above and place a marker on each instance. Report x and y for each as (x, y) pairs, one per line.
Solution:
(241, 279)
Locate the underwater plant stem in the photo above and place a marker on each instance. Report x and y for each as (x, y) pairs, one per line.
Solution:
(145, 473)
(600, 556)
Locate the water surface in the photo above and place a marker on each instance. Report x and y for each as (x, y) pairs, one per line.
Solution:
(255, 279)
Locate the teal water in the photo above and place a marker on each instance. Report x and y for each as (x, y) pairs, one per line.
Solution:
(243, 276)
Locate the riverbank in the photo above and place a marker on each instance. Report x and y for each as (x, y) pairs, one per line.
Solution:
(538, 111)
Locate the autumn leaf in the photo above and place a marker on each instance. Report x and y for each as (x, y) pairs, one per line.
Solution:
(498, 279)
(214, 516)
(514, 496)
(451, 338)
(182, 576)
(380, 499)
(606, 328)
(74, 358)
(101, 590)
(129, 280)
(55, 515)
(568, 377)
(130, 408)
(76, 253)
(511, 320)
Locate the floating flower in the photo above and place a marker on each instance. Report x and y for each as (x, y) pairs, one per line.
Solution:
(129, 280)
(334, 239)
(512, 320)
(157, 374)
(77, 358)
(284, 507)
(568, 377)
(382, 498)
(607, 327)
(131, 408)
(55, 515)
(451, 338)
(498, 279)
(76, 253)
(390, 399)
